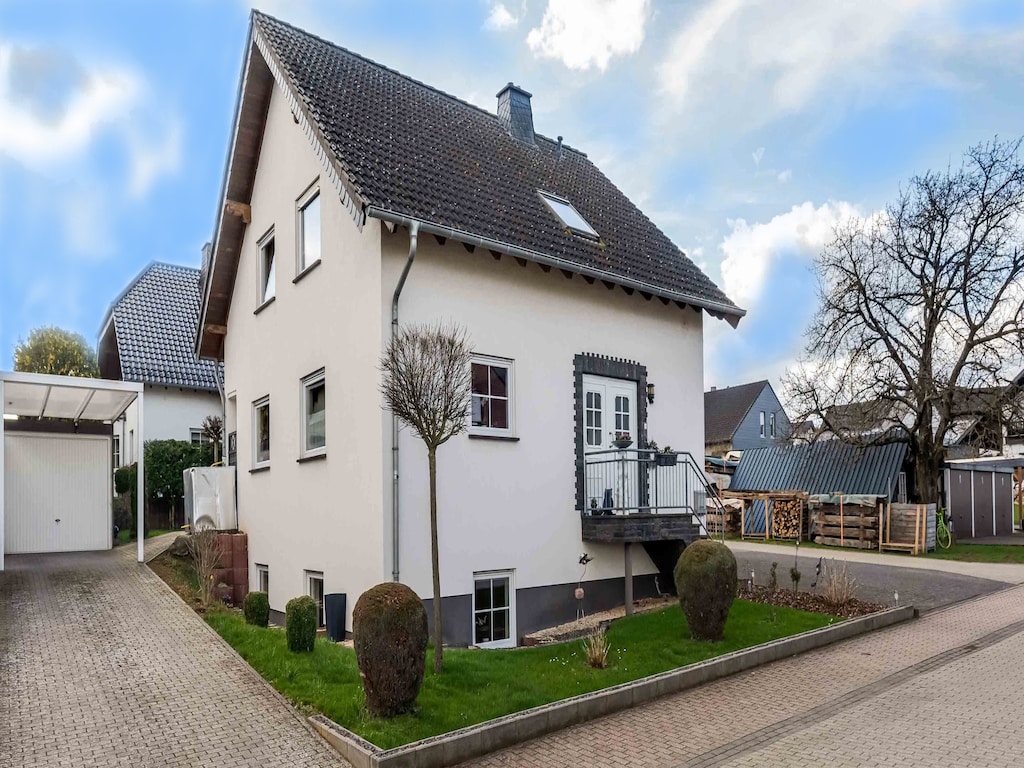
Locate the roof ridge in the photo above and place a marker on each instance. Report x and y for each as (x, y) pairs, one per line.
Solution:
(258, 14)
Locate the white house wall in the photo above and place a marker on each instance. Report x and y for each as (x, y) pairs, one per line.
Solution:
(171, 414)
(511, 505)
(324, 515)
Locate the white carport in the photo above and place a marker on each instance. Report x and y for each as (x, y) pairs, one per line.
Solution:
(34, 396)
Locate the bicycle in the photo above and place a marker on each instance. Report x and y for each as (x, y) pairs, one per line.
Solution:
(943, 536)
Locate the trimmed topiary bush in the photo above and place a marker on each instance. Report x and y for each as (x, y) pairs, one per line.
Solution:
(256, 608)
(300, 623)
(389, 628)
(705, 576)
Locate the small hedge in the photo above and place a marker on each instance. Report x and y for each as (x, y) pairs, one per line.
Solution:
(256, 608)
(389, 629)
(300, 623)
(705, 578)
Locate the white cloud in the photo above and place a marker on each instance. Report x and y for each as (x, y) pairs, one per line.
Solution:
(589, 33)
(151, 161)
(757, 154)
(750, 250)
(785, 176)
(756, 60)
(500, 18)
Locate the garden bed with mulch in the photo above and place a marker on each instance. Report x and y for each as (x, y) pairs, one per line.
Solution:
(809, 601)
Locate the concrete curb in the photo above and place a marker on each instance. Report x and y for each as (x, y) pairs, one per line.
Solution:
(466, 743)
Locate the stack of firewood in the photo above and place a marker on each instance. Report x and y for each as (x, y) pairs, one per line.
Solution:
(846, 526)
(787, 518)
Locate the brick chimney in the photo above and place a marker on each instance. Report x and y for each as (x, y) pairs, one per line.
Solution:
(515, 113)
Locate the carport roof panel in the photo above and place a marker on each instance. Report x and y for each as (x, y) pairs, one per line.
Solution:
(65, 397)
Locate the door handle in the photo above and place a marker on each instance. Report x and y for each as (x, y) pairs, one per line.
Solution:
(56, 520)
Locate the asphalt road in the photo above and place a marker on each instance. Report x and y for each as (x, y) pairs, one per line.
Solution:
(925, 589)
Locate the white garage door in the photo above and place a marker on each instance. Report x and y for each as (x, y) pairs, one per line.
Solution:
(57, 493)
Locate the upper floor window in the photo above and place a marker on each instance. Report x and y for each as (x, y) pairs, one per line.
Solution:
(309, 228)
(771, 425)
(569, 216)
(261, 432)
(268, 268)
(762, 424)
(196, 436)
(314, 412)
(491, 411)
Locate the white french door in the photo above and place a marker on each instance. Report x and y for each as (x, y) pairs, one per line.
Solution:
(609, 410)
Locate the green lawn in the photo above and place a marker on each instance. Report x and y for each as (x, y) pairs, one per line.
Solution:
(479, 685)
(981, 553)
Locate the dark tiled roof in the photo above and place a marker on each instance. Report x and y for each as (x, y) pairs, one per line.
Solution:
(828, 466)
(412, 150)
(155, 322)
(724, 410)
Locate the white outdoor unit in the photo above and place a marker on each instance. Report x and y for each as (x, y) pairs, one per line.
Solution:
(210, 498)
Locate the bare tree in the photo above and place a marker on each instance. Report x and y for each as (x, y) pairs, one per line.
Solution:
(921, 310)
(427, 386)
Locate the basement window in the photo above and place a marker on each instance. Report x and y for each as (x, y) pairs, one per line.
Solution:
(569, 216)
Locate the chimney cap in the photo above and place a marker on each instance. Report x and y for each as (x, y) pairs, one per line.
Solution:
(513, 87)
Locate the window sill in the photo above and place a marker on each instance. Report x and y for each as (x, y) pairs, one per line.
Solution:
(263, 468)
(505, 438)
(264, 305)
(311, 457)
(306, 271)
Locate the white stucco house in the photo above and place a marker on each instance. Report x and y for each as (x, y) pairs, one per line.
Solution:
(148, 337)
(354, 198)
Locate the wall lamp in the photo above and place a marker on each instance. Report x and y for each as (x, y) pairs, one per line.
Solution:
(650, 393)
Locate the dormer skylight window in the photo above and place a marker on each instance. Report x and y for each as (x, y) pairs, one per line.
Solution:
(569, 216)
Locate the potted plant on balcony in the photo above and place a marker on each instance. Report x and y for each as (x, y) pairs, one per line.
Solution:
(666, 457)
(622, 440)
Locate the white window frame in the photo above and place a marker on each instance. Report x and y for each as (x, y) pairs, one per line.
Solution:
(131, 446)
(262, 578)
(261, 288)
(510, 388)
(310, 577)
(763, 424)
(771, 424)
(196, 436)
(593, 406)
(583, 227)
(115, 451)
(313, 191)
(256, 405)
(307, 383)
(510, 642)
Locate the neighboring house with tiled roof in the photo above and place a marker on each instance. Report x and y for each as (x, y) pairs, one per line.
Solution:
(355, 197)
(148, 336)
(743, 417)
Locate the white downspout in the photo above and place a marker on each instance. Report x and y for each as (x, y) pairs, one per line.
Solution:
(414, 229)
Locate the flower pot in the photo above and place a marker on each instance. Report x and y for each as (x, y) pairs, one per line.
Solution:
(666, 459)
(622, 444)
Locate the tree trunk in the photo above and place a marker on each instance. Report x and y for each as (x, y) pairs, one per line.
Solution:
(434, 563)
(928, 465)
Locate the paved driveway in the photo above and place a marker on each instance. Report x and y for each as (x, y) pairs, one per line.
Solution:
(102, 665)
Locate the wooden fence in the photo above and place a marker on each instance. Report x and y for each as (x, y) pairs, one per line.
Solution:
(909, 528)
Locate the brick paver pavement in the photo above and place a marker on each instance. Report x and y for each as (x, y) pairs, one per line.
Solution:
(102, 665)
(904, 694)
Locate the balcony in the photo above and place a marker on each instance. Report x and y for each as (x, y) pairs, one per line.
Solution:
(638, 495)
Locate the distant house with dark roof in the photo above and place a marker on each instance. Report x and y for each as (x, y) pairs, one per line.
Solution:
(743, 417)
(357, 200)
(148, 336)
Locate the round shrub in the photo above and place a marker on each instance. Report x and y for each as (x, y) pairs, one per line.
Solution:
(705, 576)
(300, 623)
(256, 608)
(389, 628)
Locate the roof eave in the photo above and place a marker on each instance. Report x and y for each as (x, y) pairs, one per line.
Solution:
(727, 312)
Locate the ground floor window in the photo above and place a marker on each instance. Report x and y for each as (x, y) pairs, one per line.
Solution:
(262, 578)
(494, 609)
(315, 589)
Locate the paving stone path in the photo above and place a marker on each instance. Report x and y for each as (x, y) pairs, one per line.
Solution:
(102, 665)
(946, 689)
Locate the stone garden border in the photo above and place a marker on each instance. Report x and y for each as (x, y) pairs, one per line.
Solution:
(466, 743)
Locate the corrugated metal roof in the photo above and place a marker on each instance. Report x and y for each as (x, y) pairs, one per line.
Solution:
(829, 466)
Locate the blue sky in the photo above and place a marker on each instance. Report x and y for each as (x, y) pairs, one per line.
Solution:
(745, 128)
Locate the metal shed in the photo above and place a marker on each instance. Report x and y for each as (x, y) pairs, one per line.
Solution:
(55, 487)
(979, 496)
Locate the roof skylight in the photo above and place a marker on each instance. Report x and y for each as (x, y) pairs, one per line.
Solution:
(569, 216)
